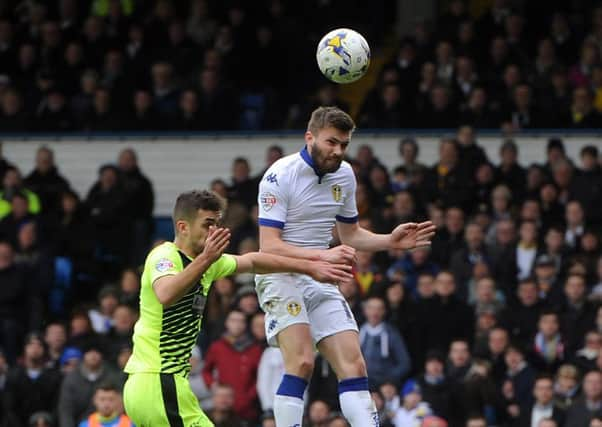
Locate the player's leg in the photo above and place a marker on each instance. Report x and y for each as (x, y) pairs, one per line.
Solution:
(297, 351)
(188, 405)
(287, 326)
(143, 400)
(162, 400)
(335, 330)
(342, 350)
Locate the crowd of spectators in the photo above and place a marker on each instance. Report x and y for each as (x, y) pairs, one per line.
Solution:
(110, 65)
(192, 65)
(516, 66)
(499, 323)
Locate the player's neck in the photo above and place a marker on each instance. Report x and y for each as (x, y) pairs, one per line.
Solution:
(185, 248)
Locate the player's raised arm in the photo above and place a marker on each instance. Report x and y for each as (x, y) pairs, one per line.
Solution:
(405, 236)
(171, 288)
(263, 263)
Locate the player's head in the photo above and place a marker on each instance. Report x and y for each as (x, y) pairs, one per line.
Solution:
(328, 133)
(195, 212)
(106, 400)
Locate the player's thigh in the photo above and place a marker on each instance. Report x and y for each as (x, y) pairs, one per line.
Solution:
(281, 298)
(188, 405)
(342, 350)
(161, 400)
(143, 401)
(335, 330)
(328, 312)
(297, 349)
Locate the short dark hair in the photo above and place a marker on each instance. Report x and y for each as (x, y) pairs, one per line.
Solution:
(549, 312)
(590, 150)
(187, 204)
(555, 143)
(276, 148)
(324, 117)
(544, 376)
(509, 145)
(45, 148)
(108, 167)
(516, 348)
(400, 169)
(108, 386)
(409, 141)
(527, 281)
(239, 160)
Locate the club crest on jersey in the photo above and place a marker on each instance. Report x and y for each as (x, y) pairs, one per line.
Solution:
(337, 192)
(268, 200)
(164, 264)
(293, 308)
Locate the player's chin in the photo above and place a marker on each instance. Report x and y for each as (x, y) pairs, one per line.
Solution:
(331, 166)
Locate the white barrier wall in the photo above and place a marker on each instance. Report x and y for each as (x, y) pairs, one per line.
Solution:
(176, 165)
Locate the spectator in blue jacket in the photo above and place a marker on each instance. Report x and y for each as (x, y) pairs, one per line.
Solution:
(410, 266)
(384, 349)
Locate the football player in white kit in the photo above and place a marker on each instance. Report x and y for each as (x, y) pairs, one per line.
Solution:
(301, 198)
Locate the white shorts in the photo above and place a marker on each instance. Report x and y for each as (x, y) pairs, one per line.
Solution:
(288, 299)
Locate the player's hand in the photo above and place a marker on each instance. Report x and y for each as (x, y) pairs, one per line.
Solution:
(341, 254)
(216, 243)
(330, 273)
(412, 235)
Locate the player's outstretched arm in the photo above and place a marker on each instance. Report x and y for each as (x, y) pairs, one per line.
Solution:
(405, 236)
(170, 289)
(262, 263)
(270, 241)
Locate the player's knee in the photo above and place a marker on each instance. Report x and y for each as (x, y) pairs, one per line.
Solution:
(306, 365)
(353, 367)
(360, 367)
(302, 366)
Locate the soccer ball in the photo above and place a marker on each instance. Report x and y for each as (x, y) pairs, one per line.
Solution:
(343, 55)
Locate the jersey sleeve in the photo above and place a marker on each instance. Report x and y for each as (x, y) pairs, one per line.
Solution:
(162, 261)
(273, 199)
(348, 212)
(224, 266)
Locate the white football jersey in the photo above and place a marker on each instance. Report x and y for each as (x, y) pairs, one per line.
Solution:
(303, 204)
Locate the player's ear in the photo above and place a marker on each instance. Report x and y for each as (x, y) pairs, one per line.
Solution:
(181, 226)
(309, 137)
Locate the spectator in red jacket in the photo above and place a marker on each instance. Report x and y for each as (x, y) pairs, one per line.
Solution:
(234, 360)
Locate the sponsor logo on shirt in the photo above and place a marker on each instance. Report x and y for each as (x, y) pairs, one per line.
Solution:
(272, 178)
(268, 200)
(164, 264)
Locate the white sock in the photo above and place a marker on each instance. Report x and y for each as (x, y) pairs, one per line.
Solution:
(357, 404)
(288, 411)
(288, 403)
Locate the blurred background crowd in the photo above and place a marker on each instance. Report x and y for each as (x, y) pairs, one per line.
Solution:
(497, 324)
(107, 65)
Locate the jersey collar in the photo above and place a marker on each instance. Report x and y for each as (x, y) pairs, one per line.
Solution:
(310, 162)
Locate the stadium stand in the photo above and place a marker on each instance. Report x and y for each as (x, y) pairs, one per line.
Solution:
(499, 324)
